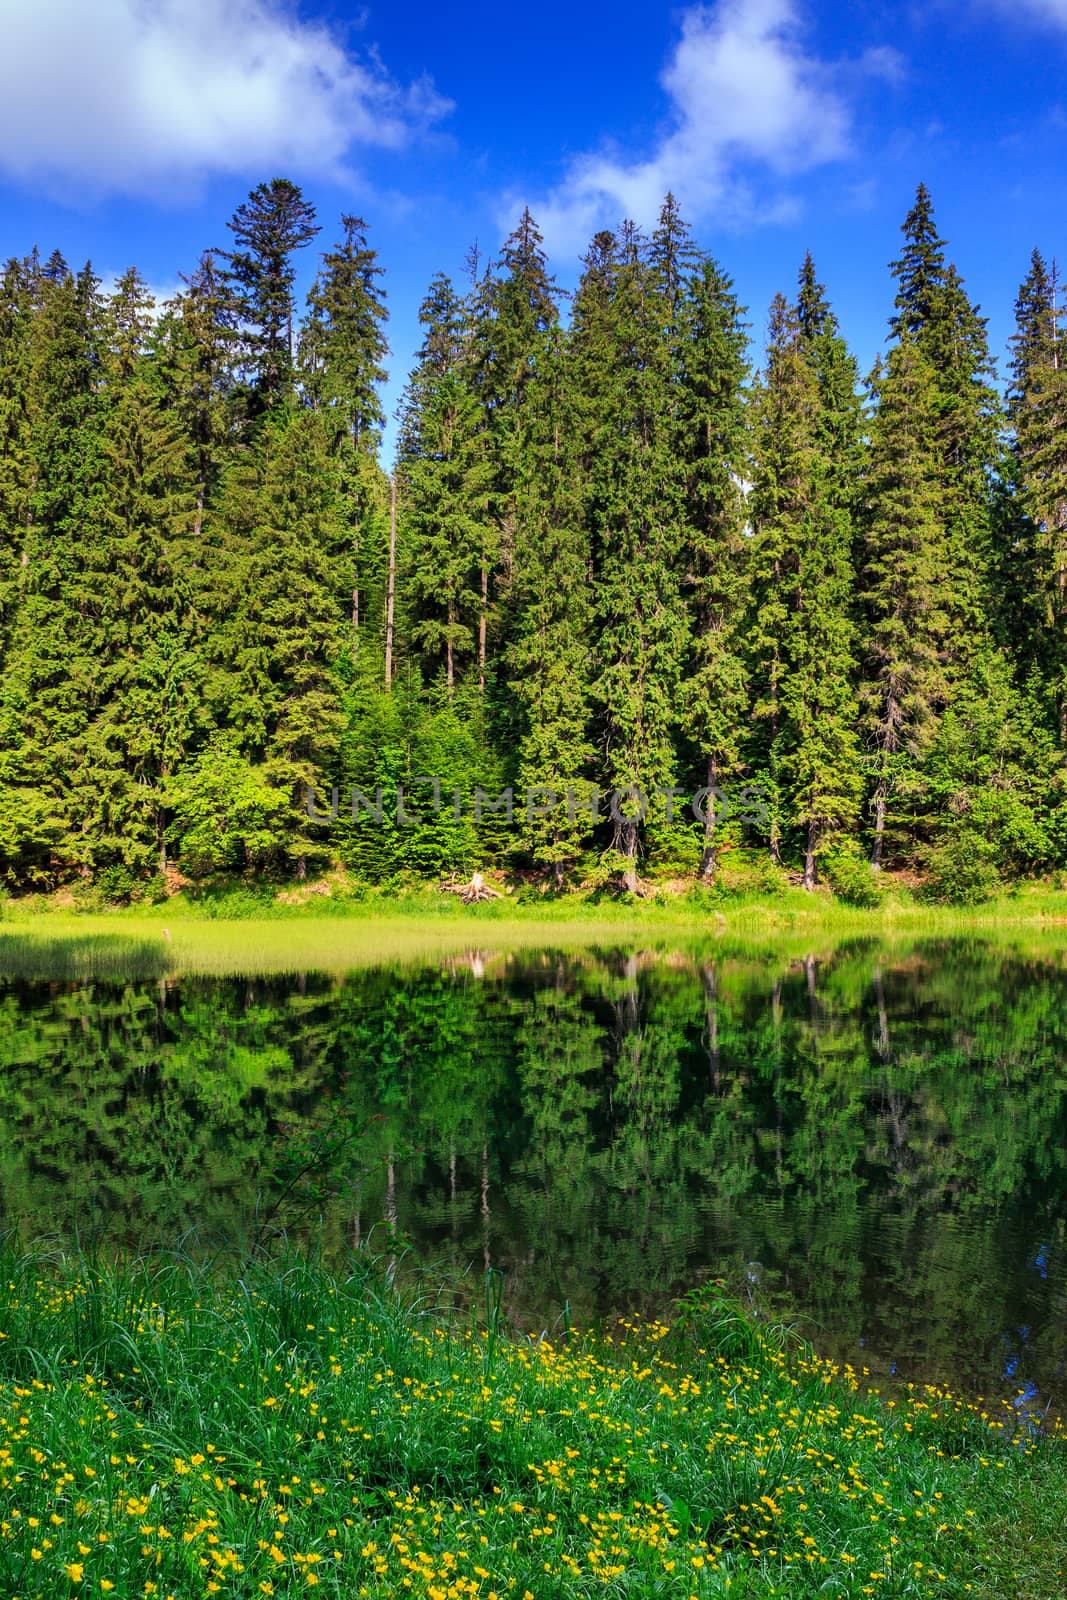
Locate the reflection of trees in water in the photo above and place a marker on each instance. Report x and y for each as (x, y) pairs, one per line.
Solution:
(883, 1134)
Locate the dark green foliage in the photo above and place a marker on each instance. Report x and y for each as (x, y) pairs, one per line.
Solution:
(268, 227)
(445, 475)
(633, 484)
(851, 878)
(803, 634)
(608, 571)
(713, 442)
(551, 652)
(1037, 411)
(962, 870)
(903, 560)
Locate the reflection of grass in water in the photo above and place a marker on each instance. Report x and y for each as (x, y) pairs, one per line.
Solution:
(79, 955)
(162, 1409)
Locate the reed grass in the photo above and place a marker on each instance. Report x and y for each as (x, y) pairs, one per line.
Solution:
(176, 938)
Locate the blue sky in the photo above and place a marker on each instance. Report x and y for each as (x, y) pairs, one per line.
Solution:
(130, 130)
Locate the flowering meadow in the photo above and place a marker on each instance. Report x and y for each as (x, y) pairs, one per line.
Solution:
(282, 1430)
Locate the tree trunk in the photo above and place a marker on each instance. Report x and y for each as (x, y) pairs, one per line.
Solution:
(626, 845)
(879, 826)
(451, 670)
(707, 859)
(390, 593)
(775, 846)
(481, 628)
(809, 858)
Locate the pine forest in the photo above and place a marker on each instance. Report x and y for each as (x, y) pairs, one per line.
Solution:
(620, 561)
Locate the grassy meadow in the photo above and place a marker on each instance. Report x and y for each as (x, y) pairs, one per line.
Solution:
(254, 932)
(279, 1430)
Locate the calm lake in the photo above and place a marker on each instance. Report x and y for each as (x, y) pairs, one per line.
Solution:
(873, 1143)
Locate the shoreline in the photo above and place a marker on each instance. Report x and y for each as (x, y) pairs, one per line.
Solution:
(179, 937)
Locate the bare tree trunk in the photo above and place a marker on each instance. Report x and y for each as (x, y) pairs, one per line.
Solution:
(390, 1195)
(390, 593)
(775, 845)
(879, 826)
(481, 627)
(707, 859)
(451, 669)
(626, 844)
(161, 830)
(809, 858)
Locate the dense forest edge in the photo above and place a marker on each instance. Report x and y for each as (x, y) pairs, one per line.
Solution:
(627, 615)
(155, 1413)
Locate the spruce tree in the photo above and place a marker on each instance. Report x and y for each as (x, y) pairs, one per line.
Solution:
(273, 223)
(19, 282)
(1037, 412)
(150, 710)
(803, 584)
(634, 490)
(841, 427)
(342, 346)
(550, 658)
(713, 442)
(197, 356)
(52, 681)
(919, 270)
(908, 613)
(934, 309)
(343, 343)
(445, 477)
(932, 306)
(512, 315)
(278, 627)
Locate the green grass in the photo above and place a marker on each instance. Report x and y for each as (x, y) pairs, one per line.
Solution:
(279, 1429)
(330, 936)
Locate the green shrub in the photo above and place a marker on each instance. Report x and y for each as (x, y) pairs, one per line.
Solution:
(851, 878)
(750, 872)
(962, 870)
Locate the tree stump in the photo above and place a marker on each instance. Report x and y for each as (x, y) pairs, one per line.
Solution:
(474, 891)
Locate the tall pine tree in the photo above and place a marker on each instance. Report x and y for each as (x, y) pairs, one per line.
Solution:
(1037, 412)
(713, 443)
(445, 476)
(804, 634)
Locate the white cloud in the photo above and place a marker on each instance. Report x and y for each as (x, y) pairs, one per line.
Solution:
(131, 96)
(744, 95)
(1054, 11)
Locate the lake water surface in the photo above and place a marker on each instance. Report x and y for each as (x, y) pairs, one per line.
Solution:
(873, 1144)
